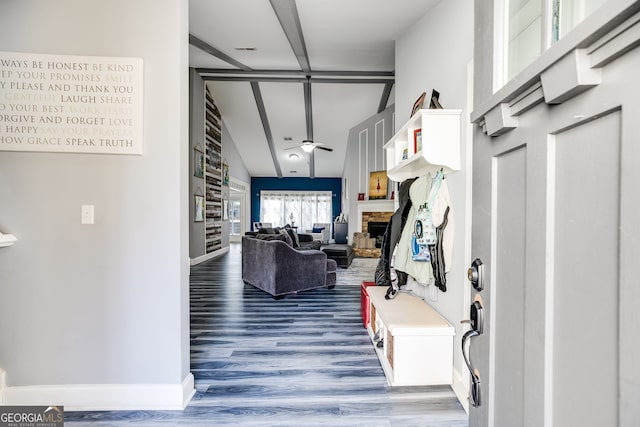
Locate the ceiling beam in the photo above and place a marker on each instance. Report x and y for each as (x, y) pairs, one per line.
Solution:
(287, 14)
(324, 73)
(200, 44)
(386, 92)
(308, 109)
(296, 79)
(257, 94)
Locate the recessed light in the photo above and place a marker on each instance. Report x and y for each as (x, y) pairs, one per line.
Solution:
(293, 156)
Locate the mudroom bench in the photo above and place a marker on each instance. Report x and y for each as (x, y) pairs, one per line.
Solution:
(417, 342)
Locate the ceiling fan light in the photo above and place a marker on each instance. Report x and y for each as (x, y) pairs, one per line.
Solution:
(307, 148)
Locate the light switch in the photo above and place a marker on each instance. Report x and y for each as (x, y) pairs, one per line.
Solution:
(87, 214)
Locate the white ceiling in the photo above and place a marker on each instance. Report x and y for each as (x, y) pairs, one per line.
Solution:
(339, 35)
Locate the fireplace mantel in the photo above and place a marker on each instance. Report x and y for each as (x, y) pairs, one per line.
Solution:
(373, 206)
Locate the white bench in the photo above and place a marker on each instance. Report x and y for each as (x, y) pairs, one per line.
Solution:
(418, 341)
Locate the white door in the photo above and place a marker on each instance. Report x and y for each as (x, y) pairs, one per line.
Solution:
(239, 204)
(556, 220)
(235, 216)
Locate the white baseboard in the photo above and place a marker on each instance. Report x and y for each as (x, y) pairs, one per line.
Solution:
(105, 397)
(460, 387)
(203, 258)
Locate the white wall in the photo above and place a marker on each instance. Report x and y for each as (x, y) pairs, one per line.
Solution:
(364, 155)
(103, 304)
(237, 169)
(196, 137)
(434, 53)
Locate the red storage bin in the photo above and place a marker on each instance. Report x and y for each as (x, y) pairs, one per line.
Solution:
(364, 302)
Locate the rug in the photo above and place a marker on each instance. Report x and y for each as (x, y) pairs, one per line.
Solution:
(360, 270)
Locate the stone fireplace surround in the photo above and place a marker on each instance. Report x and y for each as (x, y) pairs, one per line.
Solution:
(376, 211)
(373, 207)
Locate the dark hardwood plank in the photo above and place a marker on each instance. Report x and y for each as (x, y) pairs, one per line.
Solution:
(303, 360)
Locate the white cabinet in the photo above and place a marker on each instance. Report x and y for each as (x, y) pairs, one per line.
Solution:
(417, 342)
(440, 134)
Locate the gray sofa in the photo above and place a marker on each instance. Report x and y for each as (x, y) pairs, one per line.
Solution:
(279, 269)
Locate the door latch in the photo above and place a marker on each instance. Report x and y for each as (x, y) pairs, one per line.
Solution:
(475, 274)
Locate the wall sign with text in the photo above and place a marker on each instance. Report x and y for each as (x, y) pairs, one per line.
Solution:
(61, 103)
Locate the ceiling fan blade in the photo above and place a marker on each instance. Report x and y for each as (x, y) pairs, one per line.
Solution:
(292, 148)
(324, 148)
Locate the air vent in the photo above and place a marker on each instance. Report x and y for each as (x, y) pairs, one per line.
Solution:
(250, 49)
(293, 171)
(288, 138)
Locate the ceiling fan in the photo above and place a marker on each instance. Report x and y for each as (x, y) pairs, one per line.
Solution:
(309, 145)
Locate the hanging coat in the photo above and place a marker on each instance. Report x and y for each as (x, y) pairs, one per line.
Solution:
(390, 240)
(419, 194)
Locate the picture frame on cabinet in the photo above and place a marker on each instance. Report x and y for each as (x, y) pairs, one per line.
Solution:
(417, 140)
(360, 196)
(434, 104)
(199, 209)
(418, 104)
(198, 162)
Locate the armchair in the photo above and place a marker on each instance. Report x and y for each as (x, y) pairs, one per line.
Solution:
(321, 231)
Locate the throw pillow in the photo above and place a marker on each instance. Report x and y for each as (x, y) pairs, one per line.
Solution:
(266, 230)
(294, 238)
(287, 238)
(317, 229)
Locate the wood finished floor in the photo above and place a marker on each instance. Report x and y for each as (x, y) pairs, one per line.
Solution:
(304, 360)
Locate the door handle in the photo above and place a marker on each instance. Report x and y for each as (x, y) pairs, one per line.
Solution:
(476, 315)
(475, 274)
(475, 397)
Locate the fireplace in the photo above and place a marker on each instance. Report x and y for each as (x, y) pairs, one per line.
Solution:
(375, 211)
(376, 230)
(375, 223)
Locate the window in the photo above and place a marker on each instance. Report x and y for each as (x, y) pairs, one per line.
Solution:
(524, 40)
(569, 13)
(299, 208)
(234, 216)
(532, 26)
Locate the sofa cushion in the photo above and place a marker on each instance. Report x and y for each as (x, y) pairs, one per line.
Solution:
(270, 237)
(314, 244)
(317, 229)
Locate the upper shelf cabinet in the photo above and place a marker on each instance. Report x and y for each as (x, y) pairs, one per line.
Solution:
(429, 141)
